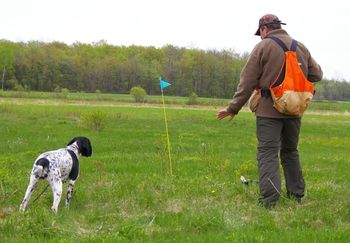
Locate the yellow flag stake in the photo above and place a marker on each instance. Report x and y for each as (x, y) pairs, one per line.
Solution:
(164, 84)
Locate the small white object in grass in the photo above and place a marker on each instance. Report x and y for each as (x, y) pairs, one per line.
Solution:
(243, 180)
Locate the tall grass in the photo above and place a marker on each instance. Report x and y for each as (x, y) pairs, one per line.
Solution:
(125, 193)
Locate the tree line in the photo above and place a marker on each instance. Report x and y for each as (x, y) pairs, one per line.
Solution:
(107, 68)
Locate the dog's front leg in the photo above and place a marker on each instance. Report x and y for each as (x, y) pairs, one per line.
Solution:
(33, 183)
(56, 186)
(70, 191)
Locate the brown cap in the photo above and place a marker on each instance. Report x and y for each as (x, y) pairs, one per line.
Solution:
(266, 20)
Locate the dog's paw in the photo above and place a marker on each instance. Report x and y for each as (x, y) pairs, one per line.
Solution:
(54, 210)
(22, 209)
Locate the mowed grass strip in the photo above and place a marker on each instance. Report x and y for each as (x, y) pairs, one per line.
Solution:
(125, 192)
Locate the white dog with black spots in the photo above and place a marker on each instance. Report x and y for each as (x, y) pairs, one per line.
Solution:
(57, 167)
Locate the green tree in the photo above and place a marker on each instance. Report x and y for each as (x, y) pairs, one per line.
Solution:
(88, 67)
(7, 61)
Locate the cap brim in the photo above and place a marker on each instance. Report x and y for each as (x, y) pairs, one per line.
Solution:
(258, 32)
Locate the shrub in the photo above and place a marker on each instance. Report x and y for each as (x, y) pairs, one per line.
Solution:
(57, 89)
(192, 99)
(138, 93)
(65, 92)
(61, 92)
(19, 87)
(95, 120)
(13, 84)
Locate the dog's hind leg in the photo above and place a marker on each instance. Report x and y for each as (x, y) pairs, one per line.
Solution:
(70, 192)
(33, 183)
(56, 186)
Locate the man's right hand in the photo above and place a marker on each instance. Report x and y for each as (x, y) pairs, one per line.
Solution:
(224, 113)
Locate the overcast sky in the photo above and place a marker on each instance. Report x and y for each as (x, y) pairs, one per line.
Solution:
(322, 25)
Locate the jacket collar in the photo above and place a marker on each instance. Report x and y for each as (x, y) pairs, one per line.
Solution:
(277, 32)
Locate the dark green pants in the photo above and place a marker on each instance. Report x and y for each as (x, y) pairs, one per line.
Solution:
(278, 141)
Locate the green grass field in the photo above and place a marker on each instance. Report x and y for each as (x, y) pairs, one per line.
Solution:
(125, 192)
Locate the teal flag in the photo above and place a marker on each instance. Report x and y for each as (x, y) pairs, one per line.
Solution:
(163, 84)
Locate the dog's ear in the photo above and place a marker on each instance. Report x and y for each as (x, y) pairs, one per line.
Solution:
(85, 146)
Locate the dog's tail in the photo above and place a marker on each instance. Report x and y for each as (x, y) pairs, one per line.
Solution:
(41, 168)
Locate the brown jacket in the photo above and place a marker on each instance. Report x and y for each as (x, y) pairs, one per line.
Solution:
(262, 69)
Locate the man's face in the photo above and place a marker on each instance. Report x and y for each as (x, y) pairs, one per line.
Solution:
(263, 32)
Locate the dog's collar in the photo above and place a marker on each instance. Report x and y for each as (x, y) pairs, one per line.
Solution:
(73, 175)
(74, 147)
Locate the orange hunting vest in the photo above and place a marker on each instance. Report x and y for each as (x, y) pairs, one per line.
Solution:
(291, 92)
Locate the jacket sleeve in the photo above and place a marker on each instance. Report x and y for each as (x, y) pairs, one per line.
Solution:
(248, 81)
(315, 73)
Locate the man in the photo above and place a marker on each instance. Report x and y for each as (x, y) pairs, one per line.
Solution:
(277, 133)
